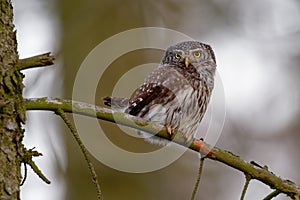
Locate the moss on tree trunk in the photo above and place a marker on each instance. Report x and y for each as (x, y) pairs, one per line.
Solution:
(12, 112)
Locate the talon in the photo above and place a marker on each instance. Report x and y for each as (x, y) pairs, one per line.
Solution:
(170, 131)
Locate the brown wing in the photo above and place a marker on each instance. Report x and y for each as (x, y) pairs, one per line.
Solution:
(148, 95)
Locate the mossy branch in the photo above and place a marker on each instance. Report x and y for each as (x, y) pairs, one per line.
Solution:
(73, 130)
(198, 179)
(246, 185)
(27, 160)
(259, 173)
(36, 61)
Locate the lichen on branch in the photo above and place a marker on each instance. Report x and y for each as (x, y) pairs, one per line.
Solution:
(253, 171)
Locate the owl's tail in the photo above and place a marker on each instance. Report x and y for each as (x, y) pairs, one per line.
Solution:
(116, 103)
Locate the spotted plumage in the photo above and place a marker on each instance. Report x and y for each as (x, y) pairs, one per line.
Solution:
(177, 93)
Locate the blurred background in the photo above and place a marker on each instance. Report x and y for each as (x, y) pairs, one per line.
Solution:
(257, 45)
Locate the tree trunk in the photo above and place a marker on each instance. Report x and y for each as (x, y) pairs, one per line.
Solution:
(12, 111)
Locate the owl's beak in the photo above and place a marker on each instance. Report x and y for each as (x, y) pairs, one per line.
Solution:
(186, 61)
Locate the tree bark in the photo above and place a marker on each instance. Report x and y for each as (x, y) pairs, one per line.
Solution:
(12, 111)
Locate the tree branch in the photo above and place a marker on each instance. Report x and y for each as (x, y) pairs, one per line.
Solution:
(198, 178)
(248, 179)
(73, 130)
(272, 194)
(27, 159)
(35, 61)
(262, 174)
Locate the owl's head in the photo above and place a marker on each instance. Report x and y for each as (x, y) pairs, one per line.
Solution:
(189, 53)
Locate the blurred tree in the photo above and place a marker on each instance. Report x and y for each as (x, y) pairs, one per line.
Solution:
(233, 31)
(85, 24)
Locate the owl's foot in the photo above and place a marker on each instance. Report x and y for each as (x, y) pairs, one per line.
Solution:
(170, 131)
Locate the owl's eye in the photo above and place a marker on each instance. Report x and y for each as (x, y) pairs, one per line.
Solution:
(197, 54)
(177, 56)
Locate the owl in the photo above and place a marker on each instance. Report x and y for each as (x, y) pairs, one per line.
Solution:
(176, 94)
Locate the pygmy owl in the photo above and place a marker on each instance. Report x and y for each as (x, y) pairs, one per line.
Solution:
(175, 94)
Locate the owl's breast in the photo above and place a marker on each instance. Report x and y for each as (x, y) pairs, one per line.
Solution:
(170, 98)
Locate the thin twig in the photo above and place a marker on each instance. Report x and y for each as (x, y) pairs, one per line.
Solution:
(27, 160)
(36, 61)
(35, 168)
(62, 114)
(198, 179)
(248, 179)
(25, 174)
(272, 195)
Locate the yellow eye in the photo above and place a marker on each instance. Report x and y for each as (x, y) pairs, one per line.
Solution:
(178, 56)
(197, 54)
